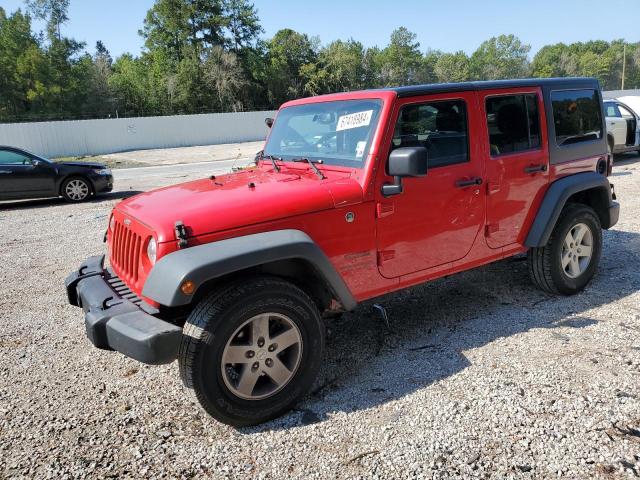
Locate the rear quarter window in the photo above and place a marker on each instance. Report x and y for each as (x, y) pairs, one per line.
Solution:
(576, 116)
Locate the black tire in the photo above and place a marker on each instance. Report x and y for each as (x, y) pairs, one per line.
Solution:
(70, 196)
(545, 263)
(213, 323)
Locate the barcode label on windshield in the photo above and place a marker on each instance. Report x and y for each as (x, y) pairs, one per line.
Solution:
(354, 120)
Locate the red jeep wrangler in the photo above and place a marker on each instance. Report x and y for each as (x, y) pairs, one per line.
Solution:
(354, 196)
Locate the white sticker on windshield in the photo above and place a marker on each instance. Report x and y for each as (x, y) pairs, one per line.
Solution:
(354, 120)
(360, 149)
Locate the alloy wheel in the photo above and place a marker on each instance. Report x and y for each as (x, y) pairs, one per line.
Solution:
(261, 356)
(77, 189)
(577, 250)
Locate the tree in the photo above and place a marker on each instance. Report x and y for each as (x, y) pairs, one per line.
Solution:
(452, 67)
(400, 63)
(224, 75)
(18, 63)
(286, 53)
(500, 57)
(243, 23)
(54, 12)
(340, 67)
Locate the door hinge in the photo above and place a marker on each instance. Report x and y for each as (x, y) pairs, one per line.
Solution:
(385, 256)
(490, 229)
(384, 209)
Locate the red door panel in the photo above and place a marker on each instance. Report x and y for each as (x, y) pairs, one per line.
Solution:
(435, 220)
(518, 174)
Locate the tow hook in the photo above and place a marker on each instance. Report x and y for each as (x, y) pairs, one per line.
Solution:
(613, 192)
(181, 234)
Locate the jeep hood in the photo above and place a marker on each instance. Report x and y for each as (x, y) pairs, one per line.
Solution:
(239, 199)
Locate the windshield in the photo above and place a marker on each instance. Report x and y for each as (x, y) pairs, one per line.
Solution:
(338, 133)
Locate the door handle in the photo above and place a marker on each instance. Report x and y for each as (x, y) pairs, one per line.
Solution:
(535, 169)
(6, 171)
(469, 183)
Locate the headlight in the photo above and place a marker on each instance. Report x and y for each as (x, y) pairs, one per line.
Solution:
(112, 223)
(152, 250)
(102, 171)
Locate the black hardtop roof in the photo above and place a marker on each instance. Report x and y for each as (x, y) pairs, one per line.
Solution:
(559, 83)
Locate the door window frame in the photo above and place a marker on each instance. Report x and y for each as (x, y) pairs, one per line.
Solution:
(17, 152)
(542, 120)
(425, 101)
(539, 104)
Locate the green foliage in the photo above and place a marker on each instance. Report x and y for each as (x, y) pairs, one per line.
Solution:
(452, 67)
(499, 58)
(401, 62)
(205, 55)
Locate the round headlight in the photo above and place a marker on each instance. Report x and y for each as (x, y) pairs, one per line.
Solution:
(152, 250)
(112, 223)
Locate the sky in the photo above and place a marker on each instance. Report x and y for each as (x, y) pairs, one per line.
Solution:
(442, 25)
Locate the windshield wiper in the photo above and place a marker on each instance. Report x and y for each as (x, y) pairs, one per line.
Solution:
(273, 161)
(312, 164)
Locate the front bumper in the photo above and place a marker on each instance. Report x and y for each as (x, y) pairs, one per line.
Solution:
(114, 322)
(102, 183)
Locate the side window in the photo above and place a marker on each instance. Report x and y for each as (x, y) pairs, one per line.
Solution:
(611, 110)
(513, 123)
(7, 157)
(624, 112)
(440, 127)
(576, 116)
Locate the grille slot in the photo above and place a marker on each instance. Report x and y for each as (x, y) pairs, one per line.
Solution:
(121, 289)
(125, 252)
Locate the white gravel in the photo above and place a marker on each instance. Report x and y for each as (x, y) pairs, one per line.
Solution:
(483, 376)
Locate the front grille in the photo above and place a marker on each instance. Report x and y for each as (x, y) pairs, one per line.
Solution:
(121, 288)
(126, 247)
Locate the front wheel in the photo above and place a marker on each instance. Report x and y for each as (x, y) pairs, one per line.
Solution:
(76, 189)
(569, 260)
(251, 350)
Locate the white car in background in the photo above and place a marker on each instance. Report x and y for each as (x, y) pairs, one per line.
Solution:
(623, 124)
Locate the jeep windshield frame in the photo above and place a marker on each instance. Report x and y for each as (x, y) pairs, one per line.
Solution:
(336, 132)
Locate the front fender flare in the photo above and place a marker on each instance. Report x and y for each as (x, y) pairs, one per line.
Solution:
(213, 260)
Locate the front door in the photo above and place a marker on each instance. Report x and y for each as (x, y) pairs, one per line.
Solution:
(436, 219)
(517, 162)
(616, 125)
(22, 176)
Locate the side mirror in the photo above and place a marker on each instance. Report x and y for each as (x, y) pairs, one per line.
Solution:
(268, 121)
(405, 162)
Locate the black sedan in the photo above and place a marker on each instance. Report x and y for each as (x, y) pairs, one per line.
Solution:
(25, 175)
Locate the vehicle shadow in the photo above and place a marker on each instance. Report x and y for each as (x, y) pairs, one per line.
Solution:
(434, 324)
(49, 202)
(622, 159)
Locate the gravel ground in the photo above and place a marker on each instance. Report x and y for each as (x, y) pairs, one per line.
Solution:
(481, 376)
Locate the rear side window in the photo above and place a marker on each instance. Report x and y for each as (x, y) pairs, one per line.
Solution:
(513, 124)
(576, 116)
(440, 127)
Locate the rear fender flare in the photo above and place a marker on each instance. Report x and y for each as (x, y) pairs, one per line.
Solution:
(556, 197)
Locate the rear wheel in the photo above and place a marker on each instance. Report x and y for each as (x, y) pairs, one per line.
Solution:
(570, 258)
(76, 189)
(251, 350)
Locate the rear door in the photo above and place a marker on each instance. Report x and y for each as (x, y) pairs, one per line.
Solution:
(616, 125)
(517, 161)
(437, 218)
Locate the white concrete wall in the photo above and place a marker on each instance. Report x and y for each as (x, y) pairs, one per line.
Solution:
(95, 137)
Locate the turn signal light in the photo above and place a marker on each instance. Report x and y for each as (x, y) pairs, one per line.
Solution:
(188, 287)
